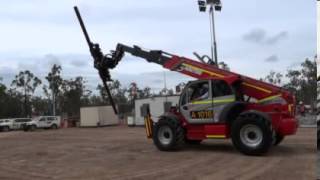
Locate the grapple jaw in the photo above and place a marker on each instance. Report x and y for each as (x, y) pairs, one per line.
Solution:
(103, 63)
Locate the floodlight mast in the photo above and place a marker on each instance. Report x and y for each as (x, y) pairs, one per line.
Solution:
(216, 4)
(213, 38)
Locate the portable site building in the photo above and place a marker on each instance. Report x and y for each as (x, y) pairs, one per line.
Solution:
(157, 106)
(97, 116)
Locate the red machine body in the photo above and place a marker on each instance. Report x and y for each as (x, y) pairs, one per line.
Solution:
(255, 114)
(273, 107)
(282, 115)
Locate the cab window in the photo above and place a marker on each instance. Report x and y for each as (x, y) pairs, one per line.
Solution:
(199, 91)
(220, 88)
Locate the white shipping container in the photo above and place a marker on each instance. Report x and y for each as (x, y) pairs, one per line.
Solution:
(157, 107)
(97, 116)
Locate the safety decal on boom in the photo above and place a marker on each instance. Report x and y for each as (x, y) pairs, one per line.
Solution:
(196, 70)
(201, 114)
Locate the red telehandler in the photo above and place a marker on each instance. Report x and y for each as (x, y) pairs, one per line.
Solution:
(220, 104)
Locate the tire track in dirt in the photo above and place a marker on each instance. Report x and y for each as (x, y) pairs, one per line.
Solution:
(22, 174)
(199, 164)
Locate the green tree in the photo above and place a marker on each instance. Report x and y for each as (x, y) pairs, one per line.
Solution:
(133, 91)
(55, 83)
(41, 105)
(26, 83)
(2, 98)
(2, 88)
(117, 92)
(95, 100)
(146, 92)
(74, 92)
(309, 81)
(11, 104)
(303, 82)
(2, 92)
(274, 78)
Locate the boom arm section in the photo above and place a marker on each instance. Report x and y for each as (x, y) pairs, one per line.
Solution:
(246, 85)
(249, 86)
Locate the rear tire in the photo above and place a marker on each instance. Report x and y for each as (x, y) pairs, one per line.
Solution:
(168, 134)
(54, 126)
(32, 127)
(251, 134)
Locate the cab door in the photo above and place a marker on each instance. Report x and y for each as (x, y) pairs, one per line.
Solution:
(196, 102)
(222, 95)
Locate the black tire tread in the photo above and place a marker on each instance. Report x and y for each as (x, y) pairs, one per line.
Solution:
(256, 119)
(178, 134)
(278, 139)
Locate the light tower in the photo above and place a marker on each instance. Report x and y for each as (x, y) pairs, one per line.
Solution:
(213, 5)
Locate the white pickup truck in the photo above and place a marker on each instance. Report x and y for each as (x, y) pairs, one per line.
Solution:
(6, 125)
(18, 122)
(12, 124)
(44, 122)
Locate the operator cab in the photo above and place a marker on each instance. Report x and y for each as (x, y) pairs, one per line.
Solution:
(202, 101)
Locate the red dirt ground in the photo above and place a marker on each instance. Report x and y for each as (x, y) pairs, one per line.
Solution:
(125, 153)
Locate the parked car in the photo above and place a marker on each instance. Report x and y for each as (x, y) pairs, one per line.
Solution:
(6, 124)
(44, 122)
(18, 122)
(13, 123)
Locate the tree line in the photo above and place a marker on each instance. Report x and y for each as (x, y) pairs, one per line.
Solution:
(23, 97)
(302, 81)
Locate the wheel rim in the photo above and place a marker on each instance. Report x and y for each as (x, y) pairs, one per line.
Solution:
(165, 135)
(251, 135)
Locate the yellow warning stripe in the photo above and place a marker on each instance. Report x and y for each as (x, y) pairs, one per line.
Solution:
(256, 87)
(269, 98)
(214, 101)
(216, 136)
(148, 127)
(290, 106)
(203, 70)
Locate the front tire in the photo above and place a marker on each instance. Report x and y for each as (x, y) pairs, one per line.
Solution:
(5, 129)
(251, 134)
(278, 139)
(168, 134)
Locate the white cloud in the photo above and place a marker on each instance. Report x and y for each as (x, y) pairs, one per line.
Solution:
(36, 33)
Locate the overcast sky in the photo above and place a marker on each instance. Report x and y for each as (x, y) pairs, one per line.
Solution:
(253, 36)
